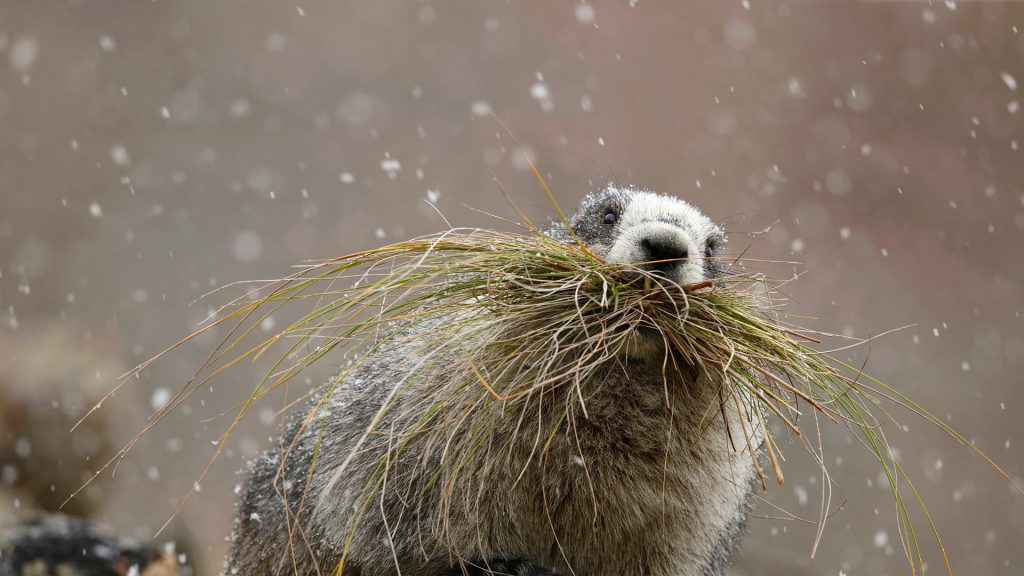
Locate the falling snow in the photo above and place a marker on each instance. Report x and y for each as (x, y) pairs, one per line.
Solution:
(23, 53)
(480, 109)
(119, 155)
(585, 13)
(159, 399)
(391, 167)
(1009, 80)
(539, 92)
(107, 44)
(247, 247)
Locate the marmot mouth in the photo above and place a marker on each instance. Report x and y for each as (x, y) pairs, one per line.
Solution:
(653, 279)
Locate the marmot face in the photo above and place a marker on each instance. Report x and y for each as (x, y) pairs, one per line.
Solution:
(632, 226)
(660, 233)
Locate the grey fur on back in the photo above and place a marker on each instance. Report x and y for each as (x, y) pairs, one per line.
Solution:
(647, 483)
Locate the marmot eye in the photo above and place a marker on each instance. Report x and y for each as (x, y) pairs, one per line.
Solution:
(610, 217)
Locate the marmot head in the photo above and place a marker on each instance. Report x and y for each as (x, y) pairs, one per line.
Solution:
(664, 234)
(658, 232)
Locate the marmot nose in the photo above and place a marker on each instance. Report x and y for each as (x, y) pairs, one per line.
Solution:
(667, 247)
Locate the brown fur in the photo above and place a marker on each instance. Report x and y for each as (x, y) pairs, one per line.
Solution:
(642, 486)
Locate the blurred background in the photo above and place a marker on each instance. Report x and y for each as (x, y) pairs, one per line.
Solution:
(153, 151)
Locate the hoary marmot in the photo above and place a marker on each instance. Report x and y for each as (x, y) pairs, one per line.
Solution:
(648, 484)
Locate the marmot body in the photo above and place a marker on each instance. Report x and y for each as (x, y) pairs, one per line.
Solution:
(648, 483)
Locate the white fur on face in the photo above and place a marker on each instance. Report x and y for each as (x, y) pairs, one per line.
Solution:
(649, 215)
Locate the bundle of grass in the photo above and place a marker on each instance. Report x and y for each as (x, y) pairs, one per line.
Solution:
(519, 327)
